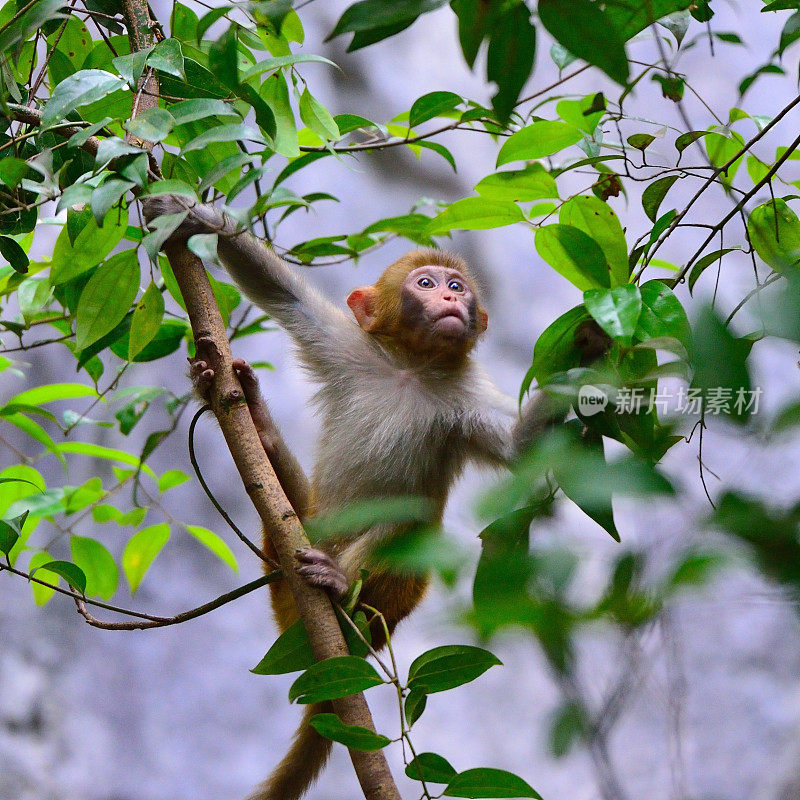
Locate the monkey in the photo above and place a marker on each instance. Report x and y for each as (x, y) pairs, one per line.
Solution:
(403, 408)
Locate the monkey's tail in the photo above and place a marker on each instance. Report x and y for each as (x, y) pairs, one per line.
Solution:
(302, 764)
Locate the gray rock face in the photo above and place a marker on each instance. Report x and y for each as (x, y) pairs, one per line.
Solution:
(713, 705)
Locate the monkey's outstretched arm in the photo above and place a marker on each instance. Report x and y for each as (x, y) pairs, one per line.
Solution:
(329, 340)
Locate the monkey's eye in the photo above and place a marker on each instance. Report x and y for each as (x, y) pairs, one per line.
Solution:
(425, 283)
(455, 286)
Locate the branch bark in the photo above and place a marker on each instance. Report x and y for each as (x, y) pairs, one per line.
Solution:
(228, 403)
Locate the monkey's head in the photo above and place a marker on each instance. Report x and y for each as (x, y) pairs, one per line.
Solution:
(426, 304)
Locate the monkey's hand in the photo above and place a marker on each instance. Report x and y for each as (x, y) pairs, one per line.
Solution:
(322, 571)
(201, 218)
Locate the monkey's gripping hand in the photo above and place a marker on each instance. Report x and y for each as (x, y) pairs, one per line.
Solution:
(322, 571)
(200, 218)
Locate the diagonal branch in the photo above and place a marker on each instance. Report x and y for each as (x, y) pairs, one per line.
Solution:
(228, 403)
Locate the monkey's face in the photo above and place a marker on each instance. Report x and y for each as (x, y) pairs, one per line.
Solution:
(439, 307)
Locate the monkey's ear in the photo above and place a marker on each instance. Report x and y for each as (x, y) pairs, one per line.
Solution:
(483, 320)
(362, 302)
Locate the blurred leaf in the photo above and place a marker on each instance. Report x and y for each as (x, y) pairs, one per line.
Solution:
(568, 727)
(374, 20)
(510, 57)
(774, 232)
(583, 29)
(140, 552)
(41, 594)
(719, 360)
(215, 544)
(97, 564)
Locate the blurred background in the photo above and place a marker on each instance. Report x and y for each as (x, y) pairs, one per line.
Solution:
(709, 694)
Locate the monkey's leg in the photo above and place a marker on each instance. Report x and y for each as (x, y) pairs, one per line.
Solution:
(287, 469)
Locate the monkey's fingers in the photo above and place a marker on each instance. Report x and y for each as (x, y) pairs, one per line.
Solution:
(248, 378)
(320, 570)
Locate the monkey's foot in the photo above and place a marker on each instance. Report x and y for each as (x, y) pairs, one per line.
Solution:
(320, 570)
(249, 380)
(200, 371)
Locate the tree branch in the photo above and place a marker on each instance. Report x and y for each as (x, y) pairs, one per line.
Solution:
(228, 403)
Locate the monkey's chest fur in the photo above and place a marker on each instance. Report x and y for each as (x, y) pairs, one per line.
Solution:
(394, 433)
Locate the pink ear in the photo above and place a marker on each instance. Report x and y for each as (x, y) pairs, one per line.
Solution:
(483, 320)
(362, 304)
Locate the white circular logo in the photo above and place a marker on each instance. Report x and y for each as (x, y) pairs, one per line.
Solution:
(591, 400)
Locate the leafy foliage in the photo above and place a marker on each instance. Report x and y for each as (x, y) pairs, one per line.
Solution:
(239, 116)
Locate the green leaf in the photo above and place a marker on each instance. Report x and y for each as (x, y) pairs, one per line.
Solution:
(353, 737)
(168, 58)
(200, 108)
(41, 594)
(685, 139)
(555, 350)
(774, 232)
(662, 315)
(291, 652)
(108, 453)
(107, 297)
(91, 245)
(532, 183)
(641, 141)
(538, 140)
(140, 552)
(432, 105)
(446, 667)
(510, 57)
(430, 767)
(35, 431)
(333, 678)
(583, 29)
(584, 113)
(415, 705)
(598, 220)
(83, 87)
(275, 93)
(215, 544)
(317, 117)
(568, 727)
(172, 478)
(106, 195)
(615, 310)
(52, 392)
(102, 575)
(272, 64)
(151, 124)
(224, 133)
(146, 320)
(381, 15)
(12, 252)
(167, 340)
(573, 254)
(487, 782)
(476, 213)
(654, 194)
(8, 537)
(720, 363)
(69, 572)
